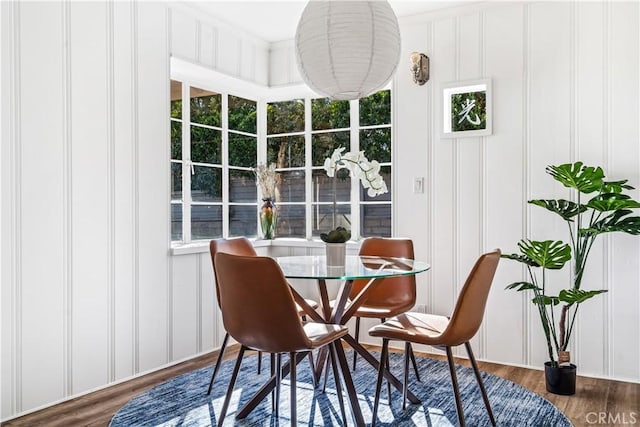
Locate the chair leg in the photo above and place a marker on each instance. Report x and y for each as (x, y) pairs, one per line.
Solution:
(386, 361)
(272, 370)
(454, 382)
(232, 383)
(336, 377)
(259, 362)
(355, 353)
(312, 365)
(407, 352)
(292, 376)
(480, 382)
(326, 378)
(215, 369)
(415, 364)
(278, 379)
(376, 402)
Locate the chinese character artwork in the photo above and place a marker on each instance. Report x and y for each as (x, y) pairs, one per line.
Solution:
(468, 111)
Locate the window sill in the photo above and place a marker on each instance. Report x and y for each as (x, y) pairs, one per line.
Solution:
(203, 245)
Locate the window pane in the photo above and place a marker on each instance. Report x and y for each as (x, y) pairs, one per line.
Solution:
(375, 220)
(206, 222)
(385, 171)
(329, 114)
(243, 221)
(206, 184)
(323, 144)
(176, 99)
(176, 140)
(242, 114)
(206, 145)
(176, 221)
(284, 117)
(323, 186)
(242, 186)
(176, 181)
(242, 150)
(205, 107)
(323, 218)
(291, 186)
(376, 144)
(291, 222)
(286, 151)
(376, 109)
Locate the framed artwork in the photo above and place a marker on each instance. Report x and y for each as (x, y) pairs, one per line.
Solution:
(466, 108)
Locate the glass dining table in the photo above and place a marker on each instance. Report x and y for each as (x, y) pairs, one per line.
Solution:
(370, 268)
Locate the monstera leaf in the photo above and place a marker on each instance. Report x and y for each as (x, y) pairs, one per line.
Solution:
(612, 202)
(547, 254)
(523, 286)
(566, 209)
(585, 179)
(521, 258)
(617, 221)
(577, 296)
(545, 300)
(615, 186)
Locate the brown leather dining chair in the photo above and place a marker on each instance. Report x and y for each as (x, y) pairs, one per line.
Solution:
(442, 331)
(258, 311)
(391, 296)
(235, 246)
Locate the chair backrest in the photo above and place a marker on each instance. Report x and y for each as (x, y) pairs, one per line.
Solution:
(396, 292)
(258, 309)
(235, 246)
(469, 310)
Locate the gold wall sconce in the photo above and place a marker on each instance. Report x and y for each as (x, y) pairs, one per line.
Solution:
(420, 67)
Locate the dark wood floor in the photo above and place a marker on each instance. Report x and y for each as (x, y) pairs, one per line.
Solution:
(619, 402)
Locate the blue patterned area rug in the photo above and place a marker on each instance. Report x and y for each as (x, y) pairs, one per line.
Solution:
(183, 400)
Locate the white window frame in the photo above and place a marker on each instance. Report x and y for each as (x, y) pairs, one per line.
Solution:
(197, 76)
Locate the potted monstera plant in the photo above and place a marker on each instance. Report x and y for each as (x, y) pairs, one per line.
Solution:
(598, 207)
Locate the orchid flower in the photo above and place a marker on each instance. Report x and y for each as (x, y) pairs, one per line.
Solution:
(368, 172)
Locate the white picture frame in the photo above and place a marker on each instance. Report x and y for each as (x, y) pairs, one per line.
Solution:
(466, 108)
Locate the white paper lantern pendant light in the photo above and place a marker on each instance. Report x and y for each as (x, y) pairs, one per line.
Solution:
(347, 49)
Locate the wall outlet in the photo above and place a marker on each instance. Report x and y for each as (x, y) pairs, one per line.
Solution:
(421, 308)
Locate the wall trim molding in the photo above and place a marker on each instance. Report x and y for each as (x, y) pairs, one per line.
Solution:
(526, 168)
(135, 156)
(67, 225)
(111, 194)
(16, 212)
(608, 343)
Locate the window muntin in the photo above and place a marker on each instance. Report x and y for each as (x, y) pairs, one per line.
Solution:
(219, 146)
(375, 140)
(213, 148)
(299, 156)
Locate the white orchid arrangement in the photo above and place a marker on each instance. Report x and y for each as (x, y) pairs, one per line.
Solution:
(368, 172)
(266, 176)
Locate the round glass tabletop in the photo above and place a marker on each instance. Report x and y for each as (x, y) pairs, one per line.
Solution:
(356, 267)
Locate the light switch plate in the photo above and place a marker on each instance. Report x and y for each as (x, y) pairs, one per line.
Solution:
(418, 185)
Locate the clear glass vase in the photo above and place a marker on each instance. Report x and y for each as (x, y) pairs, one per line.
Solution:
(268, 219)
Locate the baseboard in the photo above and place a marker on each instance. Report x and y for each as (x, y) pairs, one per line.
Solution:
(516, 365)
(102, 387)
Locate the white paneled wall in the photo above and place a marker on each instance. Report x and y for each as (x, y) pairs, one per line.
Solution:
(204, 41)
(85, 271)
(565, 88)
(90, 293)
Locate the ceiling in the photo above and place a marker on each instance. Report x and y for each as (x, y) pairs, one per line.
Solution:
(277, 20)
